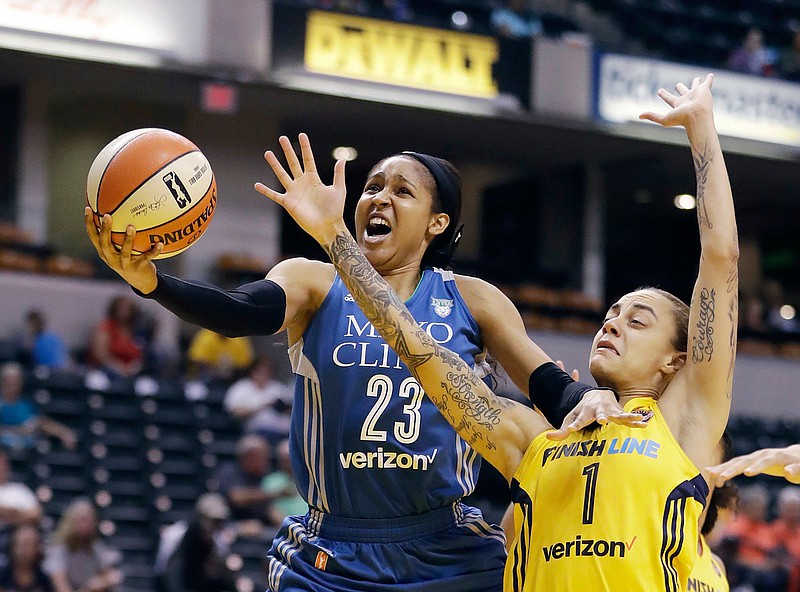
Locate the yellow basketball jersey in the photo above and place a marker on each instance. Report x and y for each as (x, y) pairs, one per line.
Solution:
(708, 573)
(611, 509)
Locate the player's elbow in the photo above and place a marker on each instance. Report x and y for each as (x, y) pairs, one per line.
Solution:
(726, 251)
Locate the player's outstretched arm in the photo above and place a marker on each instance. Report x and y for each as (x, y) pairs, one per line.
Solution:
(780, 462)
(707, 376)
(264, 307)
(499, 429)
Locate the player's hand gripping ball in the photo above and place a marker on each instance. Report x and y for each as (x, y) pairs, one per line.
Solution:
(157, 181)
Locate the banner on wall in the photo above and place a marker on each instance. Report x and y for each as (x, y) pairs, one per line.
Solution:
(129, 31)
(380, 53)
(745, 107)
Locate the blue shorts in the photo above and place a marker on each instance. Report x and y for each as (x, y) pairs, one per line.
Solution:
(451, 549)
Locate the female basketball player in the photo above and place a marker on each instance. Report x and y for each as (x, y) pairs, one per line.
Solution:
(780, 462)
(611, 509)
(379, 466)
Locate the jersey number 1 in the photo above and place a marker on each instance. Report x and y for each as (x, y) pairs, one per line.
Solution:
(590, 472)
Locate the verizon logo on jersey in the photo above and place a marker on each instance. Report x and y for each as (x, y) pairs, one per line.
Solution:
(581, 547)
(386, 459)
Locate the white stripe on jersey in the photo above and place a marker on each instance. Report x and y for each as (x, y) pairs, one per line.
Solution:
(312, 443)
(473, 520)
(276, 569)
(465, 467)
(319, 474)
(301, 365)
(447, 274)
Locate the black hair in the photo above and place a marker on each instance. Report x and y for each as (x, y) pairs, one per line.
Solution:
(725, 497)
(446, 199)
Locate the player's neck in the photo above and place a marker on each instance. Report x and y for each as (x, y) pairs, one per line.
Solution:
(403, 280)
(626, 394)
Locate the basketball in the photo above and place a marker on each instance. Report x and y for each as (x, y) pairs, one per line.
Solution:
(157, 181)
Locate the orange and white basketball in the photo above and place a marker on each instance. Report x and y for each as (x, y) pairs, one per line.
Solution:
(157, 181)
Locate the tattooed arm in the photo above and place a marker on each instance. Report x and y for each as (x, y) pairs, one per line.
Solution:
(498, 428)
(703, 386)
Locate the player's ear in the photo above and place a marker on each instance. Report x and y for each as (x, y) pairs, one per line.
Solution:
(438, 223)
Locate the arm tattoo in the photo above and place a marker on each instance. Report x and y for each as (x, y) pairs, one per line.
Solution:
(703, 340)
(733, 317)
(702, 162)
(461, 400)
(733, 312)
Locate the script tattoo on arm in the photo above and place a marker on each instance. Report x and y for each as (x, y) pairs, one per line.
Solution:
(467, 404)
(702, 158)
(703, 340)
(733, 316)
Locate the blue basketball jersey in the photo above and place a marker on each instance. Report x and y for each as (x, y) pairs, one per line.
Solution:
(365, 441)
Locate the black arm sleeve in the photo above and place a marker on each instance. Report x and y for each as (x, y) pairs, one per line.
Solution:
(555, 393)
(257, 308)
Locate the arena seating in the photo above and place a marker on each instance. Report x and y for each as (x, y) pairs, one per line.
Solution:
(144, 460)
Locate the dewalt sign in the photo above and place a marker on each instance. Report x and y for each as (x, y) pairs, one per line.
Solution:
(406, 55)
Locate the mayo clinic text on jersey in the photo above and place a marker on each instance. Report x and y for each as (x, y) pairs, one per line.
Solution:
(373, 352)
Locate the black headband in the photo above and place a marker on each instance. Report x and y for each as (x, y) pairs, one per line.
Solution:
(441, 249)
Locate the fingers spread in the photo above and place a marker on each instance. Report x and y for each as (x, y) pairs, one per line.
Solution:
(270, 193)
(283, 177)
(291, 156)
(338, 175)
(308, 155)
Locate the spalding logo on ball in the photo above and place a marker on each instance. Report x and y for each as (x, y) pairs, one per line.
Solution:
(158, 182)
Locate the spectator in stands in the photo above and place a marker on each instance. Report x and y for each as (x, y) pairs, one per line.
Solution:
(212, 356)
(241, 484)
(18, 506)
(24, 572)
(281, 483)
(77, 560)
(261, 402)
(759, 560)
(20, 423)
(789, 64)
(114, 347)
(191, 556)
(752, 57)
(786, 530)
(515, 19)
(40, 347)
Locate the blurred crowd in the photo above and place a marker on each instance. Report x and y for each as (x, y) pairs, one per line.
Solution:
(762, 555)
(248, 497)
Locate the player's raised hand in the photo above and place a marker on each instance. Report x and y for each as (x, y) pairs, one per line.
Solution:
(780, 462)
(688, 105)
(317, 208)
(138, 270)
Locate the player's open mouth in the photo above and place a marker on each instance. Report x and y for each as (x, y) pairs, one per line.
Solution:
(376, 229)
(605, 345)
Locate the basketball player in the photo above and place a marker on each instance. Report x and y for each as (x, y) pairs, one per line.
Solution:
(379, 466)
(780, 462)
(612, 508)
(708, 573)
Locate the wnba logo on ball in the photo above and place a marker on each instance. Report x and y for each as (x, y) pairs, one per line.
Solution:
(175, 185)
(191, 231)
